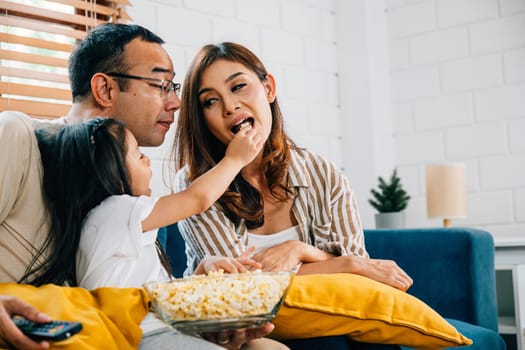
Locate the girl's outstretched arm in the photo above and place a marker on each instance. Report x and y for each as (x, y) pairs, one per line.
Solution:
(207, 188)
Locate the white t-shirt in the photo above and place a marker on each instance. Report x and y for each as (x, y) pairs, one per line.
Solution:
(114, 252)
(264, 241)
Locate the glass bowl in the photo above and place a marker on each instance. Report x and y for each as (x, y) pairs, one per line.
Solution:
(217, 302)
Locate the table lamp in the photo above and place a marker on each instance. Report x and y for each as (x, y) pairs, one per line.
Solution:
(445, 184)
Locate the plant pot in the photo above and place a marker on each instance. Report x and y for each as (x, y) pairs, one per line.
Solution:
(390, 220)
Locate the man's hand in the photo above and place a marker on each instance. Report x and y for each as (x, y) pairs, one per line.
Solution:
(233, 340)
(10, 335)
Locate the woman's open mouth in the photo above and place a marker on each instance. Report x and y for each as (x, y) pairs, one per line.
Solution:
(242, 124)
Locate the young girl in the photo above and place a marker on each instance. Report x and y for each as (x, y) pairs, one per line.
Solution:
(97, 183)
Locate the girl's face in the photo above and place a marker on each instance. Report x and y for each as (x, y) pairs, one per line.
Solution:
(230, 94)
(138, 166)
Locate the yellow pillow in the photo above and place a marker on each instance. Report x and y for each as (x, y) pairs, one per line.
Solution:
(110, 316)
(363, 309)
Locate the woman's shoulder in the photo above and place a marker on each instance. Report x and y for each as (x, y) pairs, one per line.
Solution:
(311, 158)
(180, 181)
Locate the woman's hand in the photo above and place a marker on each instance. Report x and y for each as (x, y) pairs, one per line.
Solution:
(287, 255)
(10, 335)
(385, 271)
(229, 265)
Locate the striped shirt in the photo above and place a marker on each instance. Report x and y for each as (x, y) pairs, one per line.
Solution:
(324, 207)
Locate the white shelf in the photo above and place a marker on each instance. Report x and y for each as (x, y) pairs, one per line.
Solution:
(509, 241)
(510, 267)
(506, 325)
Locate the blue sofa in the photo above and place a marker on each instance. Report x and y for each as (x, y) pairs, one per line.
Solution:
(452, 269)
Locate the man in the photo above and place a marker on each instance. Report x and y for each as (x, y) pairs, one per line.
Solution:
(142, 104)
(117, 71)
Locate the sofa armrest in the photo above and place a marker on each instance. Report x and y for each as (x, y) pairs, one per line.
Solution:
(175, 248)
(452, 269)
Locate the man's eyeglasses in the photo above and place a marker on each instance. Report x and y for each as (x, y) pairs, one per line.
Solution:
(166, 86)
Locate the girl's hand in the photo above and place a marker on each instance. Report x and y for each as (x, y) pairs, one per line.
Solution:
(287, 255)
(244, 146)
(227, 264)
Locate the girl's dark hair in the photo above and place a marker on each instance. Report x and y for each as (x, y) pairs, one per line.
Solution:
(84, 163)
(103, 50)
(196, 147)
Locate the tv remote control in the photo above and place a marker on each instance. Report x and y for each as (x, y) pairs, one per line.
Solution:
(51, 331)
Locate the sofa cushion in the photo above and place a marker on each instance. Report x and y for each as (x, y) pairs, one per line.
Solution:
(363, 309)
(110, 316)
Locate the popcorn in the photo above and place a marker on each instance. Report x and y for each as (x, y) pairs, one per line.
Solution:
(219, 296)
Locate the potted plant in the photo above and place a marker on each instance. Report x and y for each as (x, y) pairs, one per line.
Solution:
(389, 199)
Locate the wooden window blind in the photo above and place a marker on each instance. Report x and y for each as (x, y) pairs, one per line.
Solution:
(36, 38)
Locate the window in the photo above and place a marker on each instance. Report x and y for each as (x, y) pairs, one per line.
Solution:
(36, 37)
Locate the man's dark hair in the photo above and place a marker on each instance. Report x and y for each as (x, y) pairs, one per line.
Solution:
(102, 50)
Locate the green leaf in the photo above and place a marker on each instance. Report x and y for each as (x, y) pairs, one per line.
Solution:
(389, 196)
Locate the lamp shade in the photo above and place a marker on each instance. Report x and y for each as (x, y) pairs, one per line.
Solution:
(445, 184)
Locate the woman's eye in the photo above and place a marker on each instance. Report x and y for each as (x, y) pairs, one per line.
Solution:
(207, 103)
(238, 86)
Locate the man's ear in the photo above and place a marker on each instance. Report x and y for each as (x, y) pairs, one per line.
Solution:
(103, 89)
(270, 87)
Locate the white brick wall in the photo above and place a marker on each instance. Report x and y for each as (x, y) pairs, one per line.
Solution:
(420, 147)
(519, 203)
(411, 20)
(476, 141)
(415, 83)
(443, 111)
(503, 172)
(500, 210)
(459, 12)
(513, 65)
(499, 34)
(439, 46)
(264, 13)
(456, 76)
(472, 73)
(516, 130)
(475, 50)
(501, 103)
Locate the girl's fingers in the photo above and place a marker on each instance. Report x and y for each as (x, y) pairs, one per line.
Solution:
(250, 262)
(228, 266)
(240, 267)
(248, 252)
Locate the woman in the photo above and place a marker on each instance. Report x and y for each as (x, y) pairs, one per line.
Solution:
(296, 207)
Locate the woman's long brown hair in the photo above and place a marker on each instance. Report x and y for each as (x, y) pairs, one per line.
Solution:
(196, 147)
